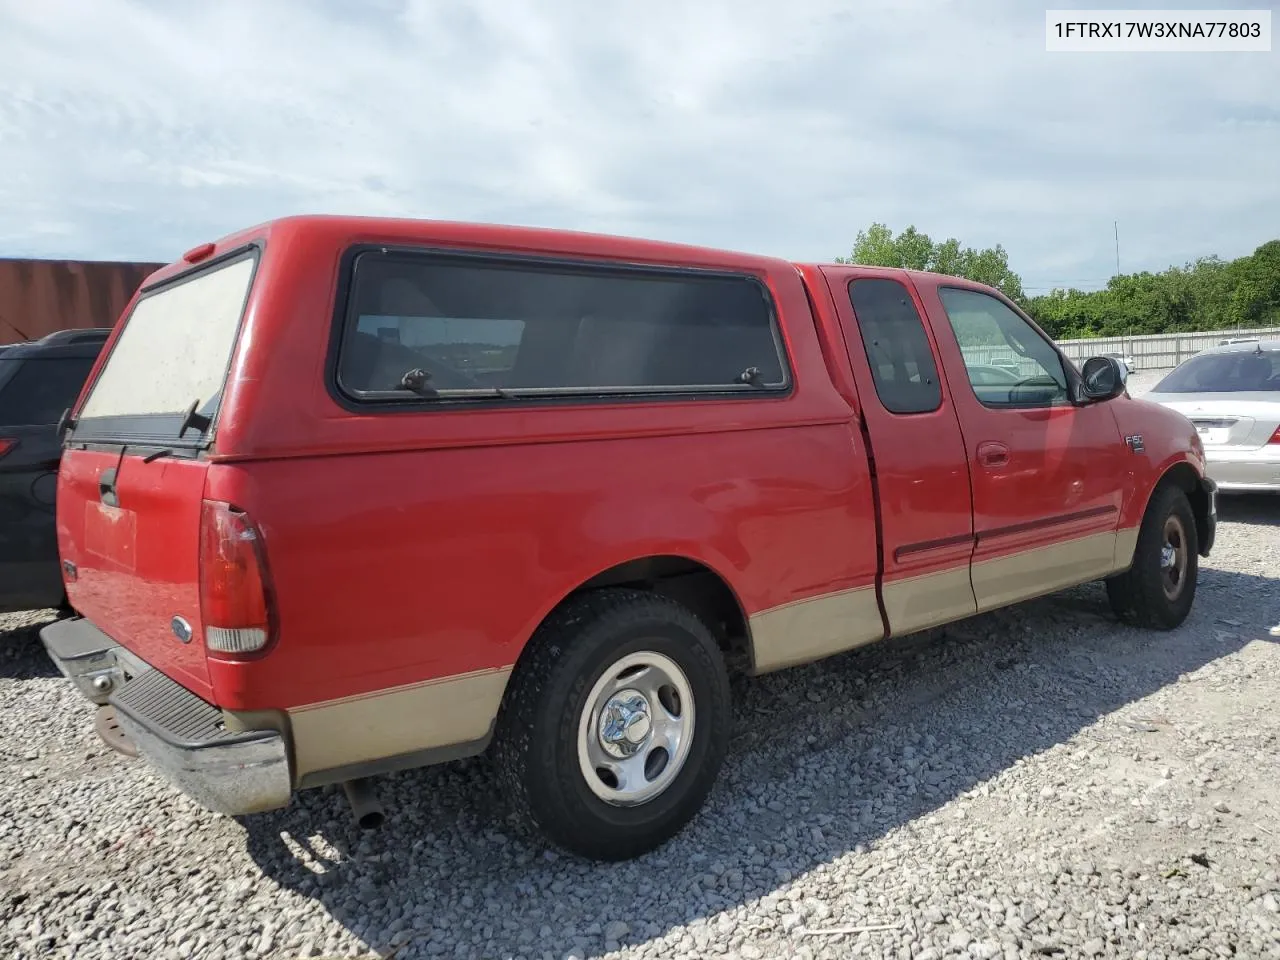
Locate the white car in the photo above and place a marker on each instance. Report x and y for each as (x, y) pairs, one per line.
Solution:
(1231, 393)
(1129, 363)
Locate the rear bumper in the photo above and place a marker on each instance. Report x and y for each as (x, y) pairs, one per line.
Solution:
(1242, 474)
(179, 734)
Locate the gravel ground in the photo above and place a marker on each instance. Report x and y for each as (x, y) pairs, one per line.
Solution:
(1036, 782)
(1143, 380)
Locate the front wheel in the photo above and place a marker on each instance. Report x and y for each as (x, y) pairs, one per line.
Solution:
(616, 724)
(1158, 590)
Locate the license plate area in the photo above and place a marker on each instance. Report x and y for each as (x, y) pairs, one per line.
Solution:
(1214, 432)
(111, 535)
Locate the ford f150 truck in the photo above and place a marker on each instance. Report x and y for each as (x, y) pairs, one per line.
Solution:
(344, 496)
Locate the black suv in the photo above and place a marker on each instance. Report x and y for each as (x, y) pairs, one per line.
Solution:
(38, 381)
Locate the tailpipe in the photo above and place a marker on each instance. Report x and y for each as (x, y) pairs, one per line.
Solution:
(365, 806)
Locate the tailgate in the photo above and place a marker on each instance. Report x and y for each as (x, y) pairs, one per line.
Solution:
(1223, 431)
(1240, 423)
(131, 484)
(134, 542)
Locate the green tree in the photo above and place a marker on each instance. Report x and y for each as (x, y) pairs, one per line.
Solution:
(991, 266)
(1254, 298)
(1207, 294)
(912, 250)
(876, 247)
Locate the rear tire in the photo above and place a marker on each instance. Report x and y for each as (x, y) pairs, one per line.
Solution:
(1159, 589)
(615, 725)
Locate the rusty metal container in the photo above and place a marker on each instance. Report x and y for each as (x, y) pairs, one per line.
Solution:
(40, 296)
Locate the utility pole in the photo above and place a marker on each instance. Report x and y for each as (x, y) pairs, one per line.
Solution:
(1116, 223)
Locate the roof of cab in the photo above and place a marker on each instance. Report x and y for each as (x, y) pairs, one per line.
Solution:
(924, 277)
(346, 230)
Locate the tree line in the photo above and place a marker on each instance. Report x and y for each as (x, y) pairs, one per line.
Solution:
(1209, 294)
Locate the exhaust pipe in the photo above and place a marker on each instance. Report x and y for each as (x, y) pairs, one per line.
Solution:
(365, 807)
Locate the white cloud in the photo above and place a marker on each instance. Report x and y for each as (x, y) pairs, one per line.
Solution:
(140, 129)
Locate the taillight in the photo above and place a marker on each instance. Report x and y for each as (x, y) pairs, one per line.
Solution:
(1275, 437)
(235, 593)
(7, 444)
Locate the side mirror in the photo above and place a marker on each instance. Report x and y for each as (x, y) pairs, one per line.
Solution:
(1102, 378)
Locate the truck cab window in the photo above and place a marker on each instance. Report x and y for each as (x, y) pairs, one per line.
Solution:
(902, 366)
(989, 333)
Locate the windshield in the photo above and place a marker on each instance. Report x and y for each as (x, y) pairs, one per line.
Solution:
(173, 352)
(1238, 372)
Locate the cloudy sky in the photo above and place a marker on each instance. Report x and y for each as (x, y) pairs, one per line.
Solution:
(135, 130)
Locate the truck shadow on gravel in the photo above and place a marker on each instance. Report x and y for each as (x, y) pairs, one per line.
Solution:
(825, 760)
(22, 656)
(1254, 509)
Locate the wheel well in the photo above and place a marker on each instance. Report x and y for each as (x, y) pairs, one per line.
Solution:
(693, 584)
(1184, 477)
(686, 581)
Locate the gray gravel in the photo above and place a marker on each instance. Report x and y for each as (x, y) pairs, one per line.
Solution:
(1039, 782)
(1141, 381)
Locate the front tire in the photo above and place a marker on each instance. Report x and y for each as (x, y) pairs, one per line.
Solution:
(616, 724)
(1159, 589)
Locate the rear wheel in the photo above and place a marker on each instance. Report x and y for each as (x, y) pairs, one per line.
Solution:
(1159, 588)
(616, 724)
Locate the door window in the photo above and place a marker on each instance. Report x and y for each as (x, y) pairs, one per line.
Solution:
(988, 332)
(893, 336)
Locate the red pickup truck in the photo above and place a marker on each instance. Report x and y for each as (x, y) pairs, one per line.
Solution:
(344, 496)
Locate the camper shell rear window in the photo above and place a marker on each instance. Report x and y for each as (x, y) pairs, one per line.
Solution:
(428, 328)
(163, 379)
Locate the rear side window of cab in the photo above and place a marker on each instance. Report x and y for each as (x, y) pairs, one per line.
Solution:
(427, 328)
